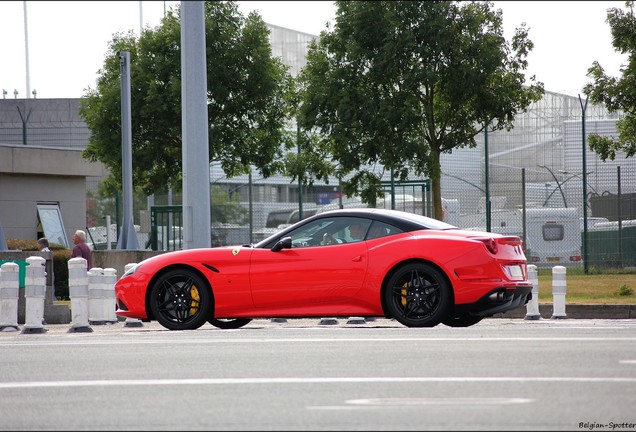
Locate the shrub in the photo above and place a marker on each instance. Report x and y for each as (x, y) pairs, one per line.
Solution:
(624, 290)
(61, 255)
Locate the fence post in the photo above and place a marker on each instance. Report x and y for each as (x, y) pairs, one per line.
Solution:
(9, 286)
(34, 291)
(532, 307)
(558, 292)
(132, 322)
(78, 291)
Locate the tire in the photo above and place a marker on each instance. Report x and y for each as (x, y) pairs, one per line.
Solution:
(461, 320)
(418, 295)
(181, 300)
(232, 323)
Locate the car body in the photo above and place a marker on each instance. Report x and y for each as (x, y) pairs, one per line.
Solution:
(415, 269)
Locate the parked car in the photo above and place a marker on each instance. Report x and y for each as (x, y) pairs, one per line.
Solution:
(349, 262)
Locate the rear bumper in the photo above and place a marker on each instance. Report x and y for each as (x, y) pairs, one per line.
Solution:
(498, 300)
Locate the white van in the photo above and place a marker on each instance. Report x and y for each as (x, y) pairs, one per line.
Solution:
(553, 237)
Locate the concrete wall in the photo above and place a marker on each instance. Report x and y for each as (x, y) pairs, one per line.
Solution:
(43, 175)
(118, 259)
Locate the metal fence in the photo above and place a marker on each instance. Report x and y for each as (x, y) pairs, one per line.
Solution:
(527, 182)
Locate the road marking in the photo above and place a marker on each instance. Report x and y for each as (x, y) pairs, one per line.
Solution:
(326, 380)
(198, 340)
(407, 402)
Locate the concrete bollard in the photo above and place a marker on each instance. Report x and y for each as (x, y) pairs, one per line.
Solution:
(9, 291)
(131, 322)
(558, 292)
(34, 292)
(96, 296)
(110, 277)
(78, 291)
(532, 307)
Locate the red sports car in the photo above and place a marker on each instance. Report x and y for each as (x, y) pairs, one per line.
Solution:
(350, 262)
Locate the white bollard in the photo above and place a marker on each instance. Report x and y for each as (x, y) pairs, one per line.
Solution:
(110, 277)
(532, 307)
(9, 287)
(558, 292)
(78, 291)
(131, 322)
(34, 292)
(96, 296)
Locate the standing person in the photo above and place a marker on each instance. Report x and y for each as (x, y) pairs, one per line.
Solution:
(81, 249)
(43, 244)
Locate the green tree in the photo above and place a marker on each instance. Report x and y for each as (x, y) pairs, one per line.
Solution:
(247, 106)
(618, 94)
(397, 83)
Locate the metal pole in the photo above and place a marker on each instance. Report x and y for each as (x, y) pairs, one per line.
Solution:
(486, 164)
(620, 218)
(584, 163)
(251, 205)
(26, 51)
(128, 237)
(523, 204)
(392, 190)
(300, 179)
(195, 149)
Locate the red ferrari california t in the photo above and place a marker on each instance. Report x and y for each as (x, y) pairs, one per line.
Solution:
(350, 262)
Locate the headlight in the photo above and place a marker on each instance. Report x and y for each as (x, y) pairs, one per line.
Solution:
(132, 270)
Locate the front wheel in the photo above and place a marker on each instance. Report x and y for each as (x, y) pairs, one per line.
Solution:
(229, 323)
(418, 295)
(181, 300)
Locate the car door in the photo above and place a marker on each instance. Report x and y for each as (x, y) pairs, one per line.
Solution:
(308, 273)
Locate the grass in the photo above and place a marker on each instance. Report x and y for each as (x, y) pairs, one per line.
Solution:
(612, 286)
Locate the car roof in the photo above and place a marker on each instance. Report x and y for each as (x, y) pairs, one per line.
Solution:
(403, 220)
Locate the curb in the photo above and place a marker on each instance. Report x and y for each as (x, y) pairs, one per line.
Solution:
(578, 311)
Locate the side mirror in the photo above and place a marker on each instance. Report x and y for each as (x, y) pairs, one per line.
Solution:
(284, 243)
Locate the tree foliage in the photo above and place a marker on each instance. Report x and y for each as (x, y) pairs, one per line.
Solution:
(247, 100)
(618, 94)
(397, 83)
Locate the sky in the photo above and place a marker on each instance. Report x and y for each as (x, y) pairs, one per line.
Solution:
(68, 40)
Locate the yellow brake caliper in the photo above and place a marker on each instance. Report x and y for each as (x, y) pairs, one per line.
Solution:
(194, 293)
(403, 292)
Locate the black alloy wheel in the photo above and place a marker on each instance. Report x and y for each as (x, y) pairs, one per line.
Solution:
(181, 300)
(418, 295)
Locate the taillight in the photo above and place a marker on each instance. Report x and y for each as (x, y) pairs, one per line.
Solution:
(491, 244)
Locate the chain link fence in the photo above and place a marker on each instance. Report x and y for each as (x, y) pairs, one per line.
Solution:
(528, 182)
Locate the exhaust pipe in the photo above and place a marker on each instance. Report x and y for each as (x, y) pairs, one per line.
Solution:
(497, 296)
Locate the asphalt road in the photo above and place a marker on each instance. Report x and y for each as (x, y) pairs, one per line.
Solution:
(501, 374)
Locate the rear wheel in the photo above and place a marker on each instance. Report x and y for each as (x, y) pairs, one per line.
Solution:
(463, 320)
(230, 323)
(181, 300)
(418, 295)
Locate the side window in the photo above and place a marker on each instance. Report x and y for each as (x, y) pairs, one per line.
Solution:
(355, 230)
(381, 229)
(331, 231)
(311, 234)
